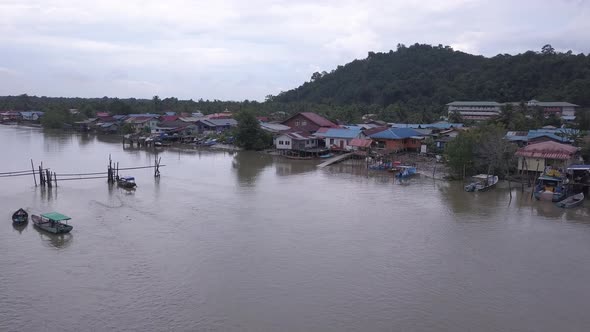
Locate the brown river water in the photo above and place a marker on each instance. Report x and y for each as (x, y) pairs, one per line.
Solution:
(249, 242)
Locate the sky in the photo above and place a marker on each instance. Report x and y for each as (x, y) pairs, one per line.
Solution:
(237, 50)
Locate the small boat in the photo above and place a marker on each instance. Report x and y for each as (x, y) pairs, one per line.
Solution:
(405, 171)
(572, 201)
(20, 217)
(549, 188)
(52, 222)
(327, 155)
(127, 182)
(482, 182)
(209, 142)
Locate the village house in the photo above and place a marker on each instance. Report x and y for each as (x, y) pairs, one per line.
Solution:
(395, 139)
(32, 116)
(142, 123)
(107, 128)
(215, 125)
(295, 141)
(537, 157)
(559, 135)
(10, 116)
(308, 122)
(339, 139)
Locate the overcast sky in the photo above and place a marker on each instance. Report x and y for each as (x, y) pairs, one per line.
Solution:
(235, 50)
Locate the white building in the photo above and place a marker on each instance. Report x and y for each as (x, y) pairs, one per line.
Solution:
(475, 110)
(295, 142)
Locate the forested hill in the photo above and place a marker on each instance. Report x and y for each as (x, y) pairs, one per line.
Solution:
(424, 77)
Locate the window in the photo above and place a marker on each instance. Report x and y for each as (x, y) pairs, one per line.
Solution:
(304, 123)
(280, 142)
(287, 142)
(331, 141)
(297, 123)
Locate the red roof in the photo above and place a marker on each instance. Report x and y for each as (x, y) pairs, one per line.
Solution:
(361, 143)
(102, 114)
(319, 120)
(169, 118)
(375, 130)
(548, 150)
(262, 118)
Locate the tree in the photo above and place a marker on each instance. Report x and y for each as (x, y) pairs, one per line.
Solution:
(547, 50)
(56, 119)
(249, 134)
(459, 153)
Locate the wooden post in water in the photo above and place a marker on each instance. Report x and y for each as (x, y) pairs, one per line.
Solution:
(33, 169)
(533, 190)
(41, 181)
(55, 178)
(48, 176)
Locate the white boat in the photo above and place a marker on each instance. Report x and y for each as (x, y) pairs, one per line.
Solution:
(482, 182)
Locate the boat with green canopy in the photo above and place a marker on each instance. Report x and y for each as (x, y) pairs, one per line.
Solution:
(53, 222)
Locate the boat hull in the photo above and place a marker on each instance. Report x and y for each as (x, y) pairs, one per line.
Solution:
(20, 217)
(51, 227)
(571, 202)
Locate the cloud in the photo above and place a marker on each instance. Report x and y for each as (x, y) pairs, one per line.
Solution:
(232, 49)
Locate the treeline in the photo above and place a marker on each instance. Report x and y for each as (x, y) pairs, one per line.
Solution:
(414, 83)
(411, 84)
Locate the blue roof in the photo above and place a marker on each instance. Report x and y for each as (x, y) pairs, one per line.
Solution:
(579, 167)
(341, 133)
(546, 133)
(395, 133)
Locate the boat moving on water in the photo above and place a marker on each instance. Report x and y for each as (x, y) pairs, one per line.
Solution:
(52, 222)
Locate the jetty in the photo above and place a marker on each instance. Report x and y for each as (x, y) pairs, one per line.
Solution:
(336, 159)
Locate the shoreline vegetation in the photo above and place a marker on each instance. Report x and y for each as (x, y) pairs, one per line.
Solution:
(411, 84)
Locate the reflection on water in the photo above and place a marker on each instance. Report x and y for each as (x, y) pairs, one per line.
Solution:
(248, 165)
(58, 241)
(19, 227)
(287, 167)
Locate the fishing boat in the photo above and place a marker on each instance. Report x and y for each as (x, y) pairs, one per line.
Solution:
(210, 142)
(20, 217)
(482, 182)
(572, 201)
(549, 188)
(127, 182)
(52, 222)
(405, 171)
(327, 155)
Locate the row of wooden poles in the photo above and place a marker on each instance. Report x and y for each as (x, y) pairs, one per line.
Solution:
(47, 178)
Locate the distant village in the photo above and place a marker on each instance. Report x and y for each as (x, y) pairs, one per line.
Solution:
(309, 135)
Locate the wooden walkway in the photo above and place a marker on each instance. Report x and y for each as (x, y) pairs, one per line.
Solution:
(335, 159)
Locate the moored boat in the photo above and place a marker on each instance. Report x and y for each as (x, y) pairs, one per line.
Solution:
(549, 188)
(52, 222)
(482, 182)
(20, 217)
(127, 182)
(572, 201)
(405, 171)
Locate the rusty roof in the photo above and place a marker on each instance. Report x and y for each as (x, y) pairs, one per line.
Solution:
(548, 150)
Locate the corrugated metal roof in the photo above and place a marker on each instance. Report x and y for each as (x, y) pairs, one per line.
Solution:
(395, 133)
(547, 150)
(339, 133)
(474, 103)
